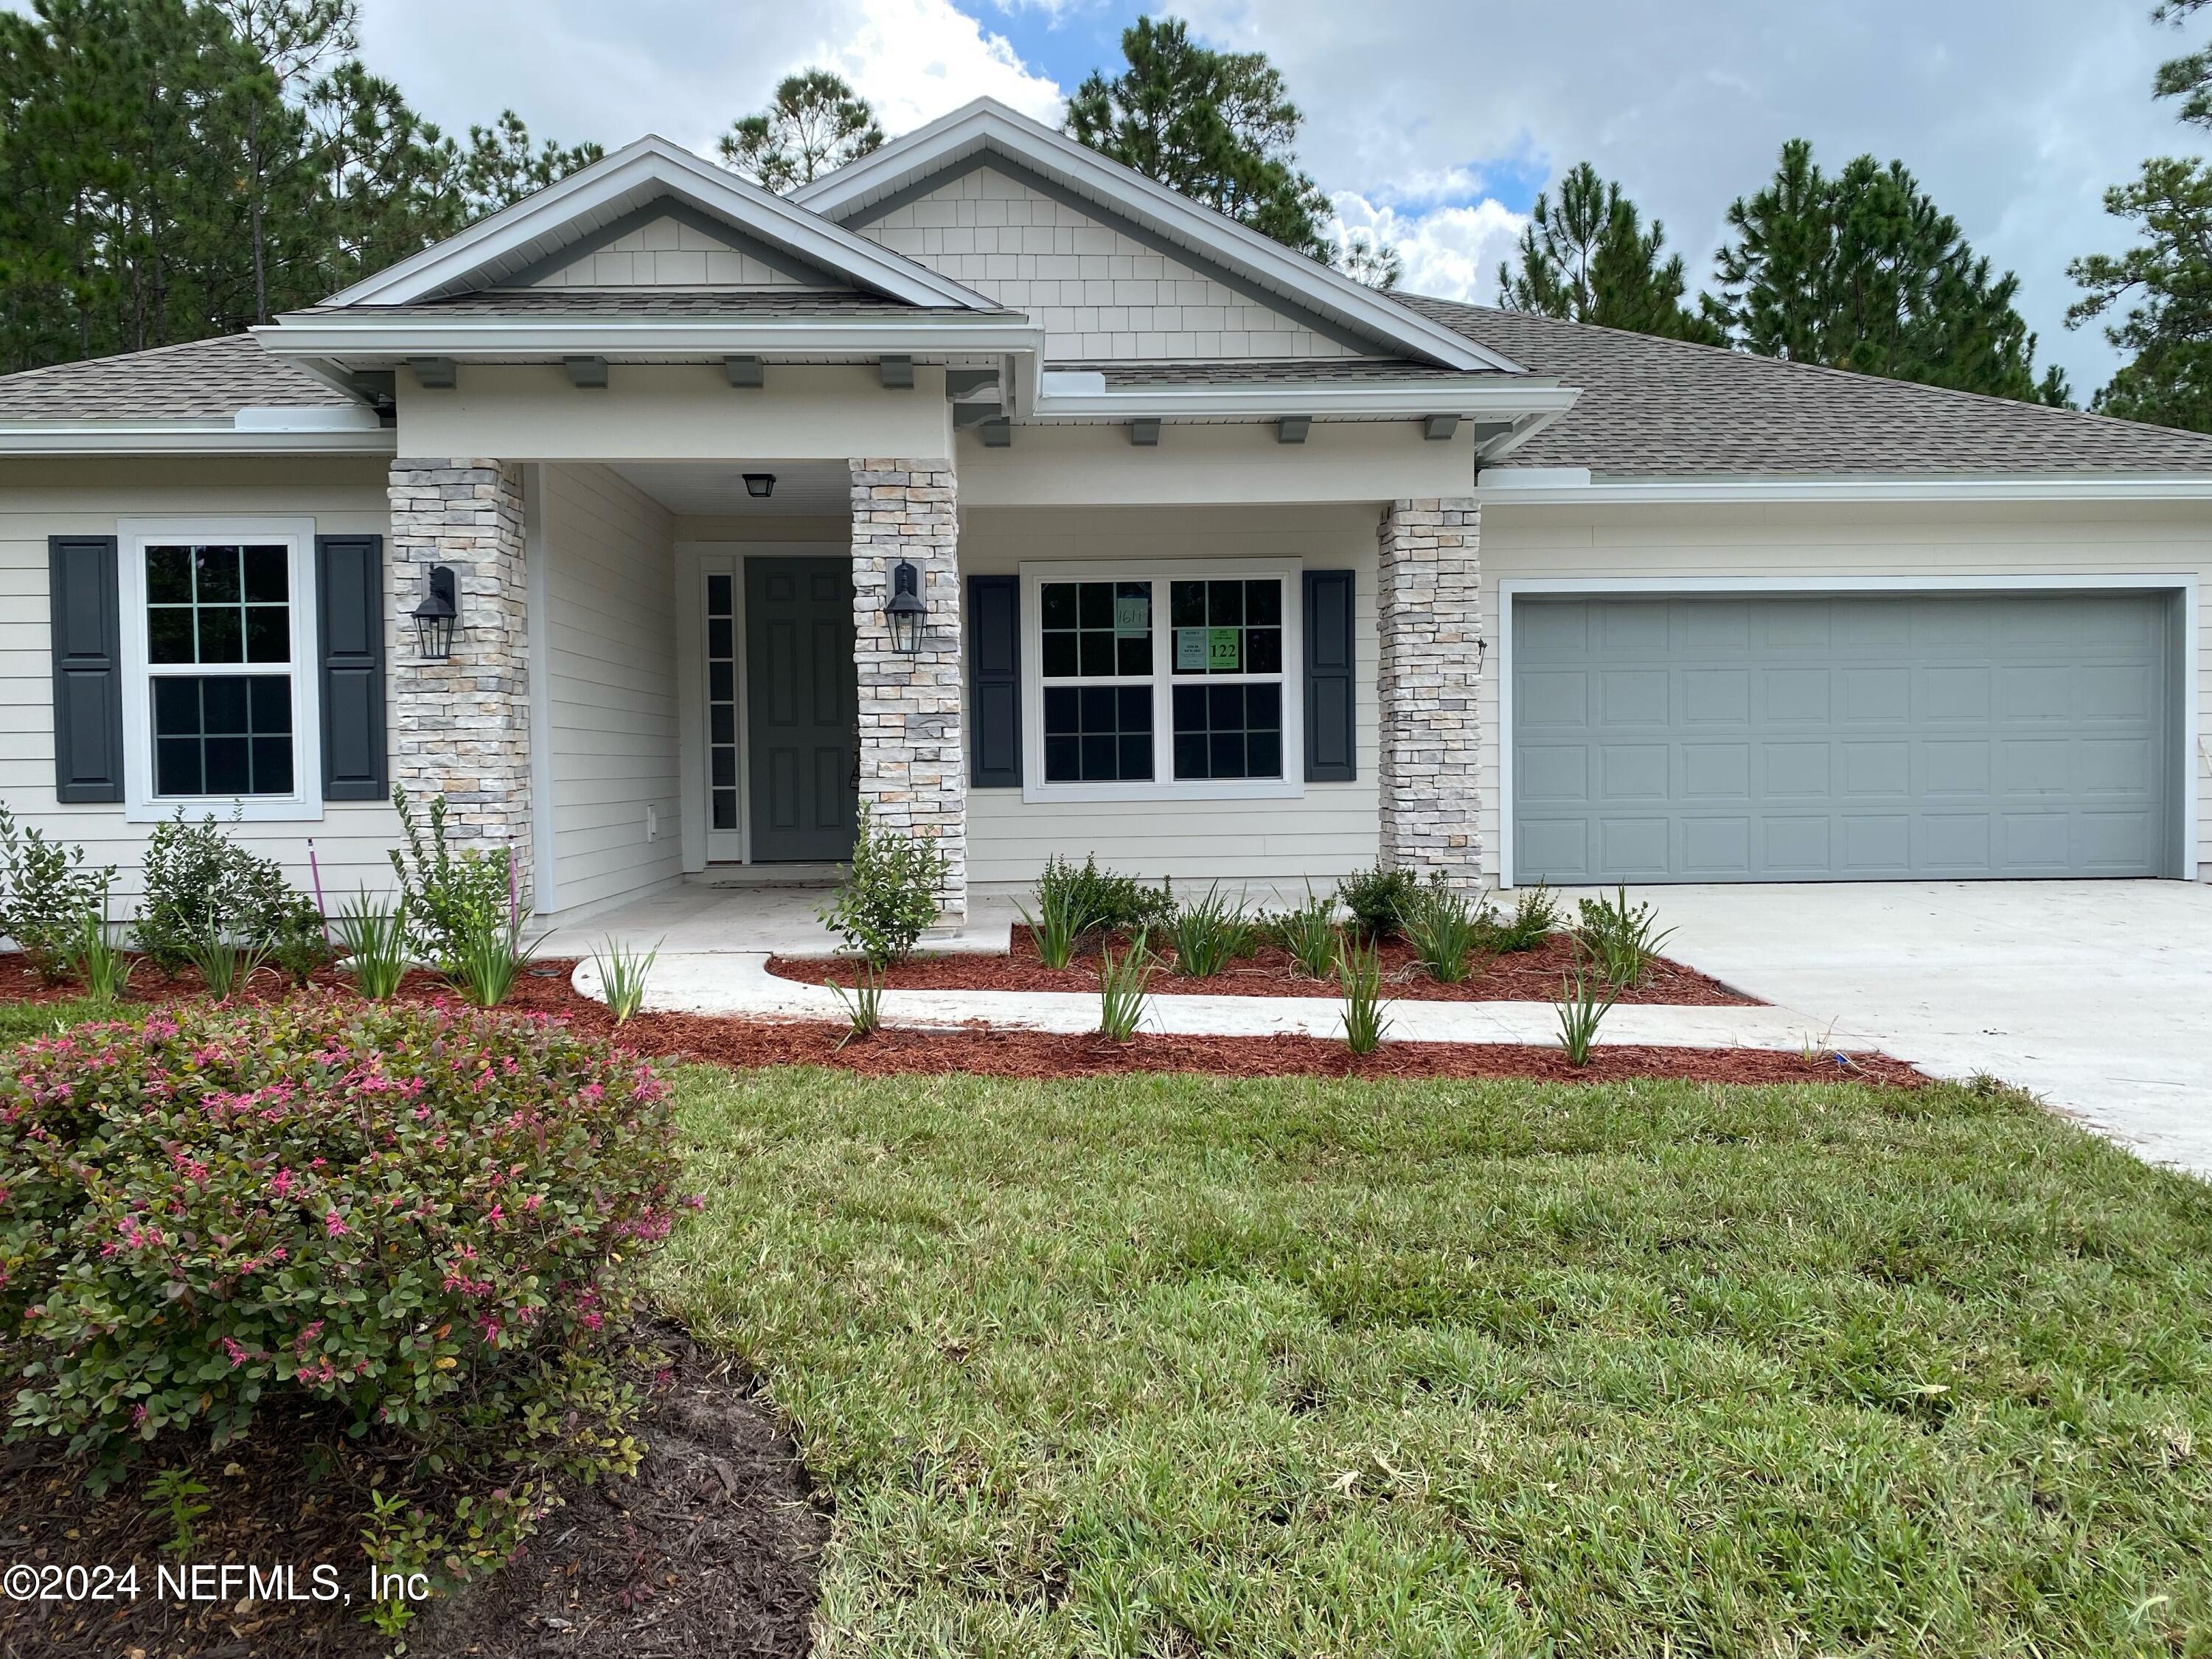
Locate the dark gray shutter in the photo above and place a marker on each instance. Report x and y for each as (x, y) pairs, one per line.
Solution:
(88, 630)
(994, 681)
(349, 617)
(1331, 738)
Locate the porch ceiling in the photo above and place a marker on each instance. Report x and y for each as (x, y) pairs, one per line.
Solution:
(704, 489)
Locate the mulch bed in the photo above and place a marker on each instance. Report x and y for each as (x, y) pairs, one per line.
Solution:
(988, 1052)
(1519, 976)
(711, 1549)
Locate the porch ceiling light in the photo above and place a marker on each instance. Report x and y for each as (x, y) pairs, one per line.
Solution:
(905, 611)
(435, 616)
(760, 485)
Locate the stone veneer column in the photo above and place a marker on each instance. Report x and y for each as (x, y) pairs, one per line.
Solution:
(914, 774)
(1429, 617)
(461, 728)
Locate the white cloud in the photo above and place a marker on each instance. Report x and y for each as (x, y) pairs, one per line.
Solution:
(916, 59)
(1453, 252)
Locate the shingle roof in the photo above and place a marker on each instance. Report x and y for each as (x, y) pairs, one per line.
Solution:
(210, 378)
(1268, 371)
(1652, 407)
(654, 302)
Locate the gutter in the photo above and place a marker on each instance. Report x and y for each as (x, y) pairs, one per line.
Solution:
(641, 339)
(1564, 486)
(1511, 400)
(309, 431)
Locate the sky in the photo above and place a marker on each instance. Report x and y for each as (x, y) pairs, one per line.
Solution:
(1432, 122)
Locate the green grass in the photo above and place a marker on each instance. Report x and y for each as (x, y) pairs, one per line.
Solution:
(21, 1020)
(1175, 1366)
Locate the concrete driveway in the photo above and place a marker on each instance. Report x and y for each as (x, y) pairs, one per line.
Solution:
(2096, 995)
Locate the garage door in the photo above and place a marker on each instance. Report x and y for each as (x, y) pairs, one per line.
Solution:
(1841, 739)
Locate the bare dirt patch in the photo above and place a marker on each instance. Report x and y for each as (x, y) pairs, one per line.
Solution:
(1518, 976)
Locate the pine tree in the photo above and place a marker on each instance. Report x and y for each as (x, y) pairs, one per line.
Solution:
(1861, 271)
(2166, 282)
(1590, 260)
(1215, 126)
(814, 125)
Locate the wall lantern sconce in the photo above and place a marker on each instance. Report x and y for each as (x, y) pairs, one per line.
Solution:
(905, 610)
(435, 616)
(760, 485)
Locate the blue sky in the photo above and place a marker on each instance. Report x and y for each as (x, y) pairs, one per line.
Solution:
(1430, 122)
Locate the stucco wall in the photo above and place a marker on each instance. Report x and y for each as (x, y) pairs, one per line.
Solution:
(609, 583)
(1875, 539)
(1326, 832)
(42, 498)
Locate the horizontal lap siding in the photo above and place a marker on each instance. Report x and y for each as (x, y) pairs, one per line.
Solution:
(1878, 539)
(1326, 833)
(611, 588)
(39, 499)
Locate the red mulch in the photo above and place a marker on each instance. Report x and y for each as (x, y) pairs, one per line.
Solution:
(986, 1052)
(1519, 976)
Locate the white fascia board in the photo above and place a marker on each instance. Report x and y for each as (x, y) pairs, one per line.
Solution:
(192, 437)
(1508, 399)
(339, 335)
(986, 123)
(654, 163)
(1498, 485)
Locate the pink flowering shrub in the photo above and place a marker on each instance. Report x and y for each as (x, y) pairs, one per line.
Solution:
(433, 1219)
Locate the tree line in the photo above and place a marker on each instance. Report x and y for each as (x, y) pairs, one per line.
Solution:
(172, 169)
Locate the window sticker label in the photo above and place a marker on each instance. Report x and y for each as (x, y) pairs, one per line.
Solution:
(1133, 616)
(1190, 650)
(1222, 655)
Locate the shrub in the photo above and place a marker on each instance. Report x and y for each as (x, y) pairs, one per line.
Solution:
(1056, 926)
(1622, 940)
(1444, 927)
(888, 896)
(425, 1219)
(1101, 901)
(447, 899)
(1207, 934)
(299, 945)
(46, 895)
(198, 879)
(1377, 899)
(1534, 918)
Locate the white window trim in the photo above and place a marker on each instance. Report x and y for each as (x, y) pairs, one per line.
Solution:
(1164, 785)
(140, 803)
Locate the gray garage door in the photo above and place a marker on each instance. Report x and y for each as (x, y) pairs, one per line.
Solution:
(1844, 738)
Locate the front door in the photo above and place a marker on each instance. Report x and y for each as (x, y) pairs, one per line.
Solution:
(802, 765)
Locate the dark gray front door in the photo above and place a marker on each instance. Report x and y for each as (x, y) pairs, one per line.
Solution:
(799, 690)
(1830, 738)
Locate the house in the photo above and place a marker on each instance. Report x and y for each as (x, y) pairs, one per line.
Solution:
(990, 486)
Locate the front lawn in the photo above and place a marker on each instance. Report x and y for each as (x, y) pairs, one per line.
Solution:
(1165, 1365)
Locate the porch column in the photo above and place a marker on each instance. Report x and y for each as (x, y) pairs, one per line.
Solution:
(1428, 612)
(913, 775)
(461, 728)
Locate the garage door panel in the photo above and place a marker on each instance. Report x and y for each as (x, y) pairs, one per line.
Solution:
(1843, 738)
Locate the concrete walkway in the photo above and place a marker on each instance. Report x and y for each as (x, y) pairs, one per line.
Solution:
(738, 983)
(2096, 995)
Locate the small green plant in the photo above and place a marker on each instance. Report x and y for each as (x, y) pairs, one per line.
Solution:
(226, 963)
(1124, 988)
(1445, 927)
(1310, 934)
(492, 957)
(864, 1007)
(45, 892)
(196, 877)
(623, 974)
(1582, 1008)
(374, 939)
(1360, 977)
(888, 896)
(1057, 925)
(299, 945)
(173, 1496)
(448, 898)
(1207, 935)
(99, 960)
(1377, 899)
(1535, 917)
(1102, 901)
(1622, 940)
